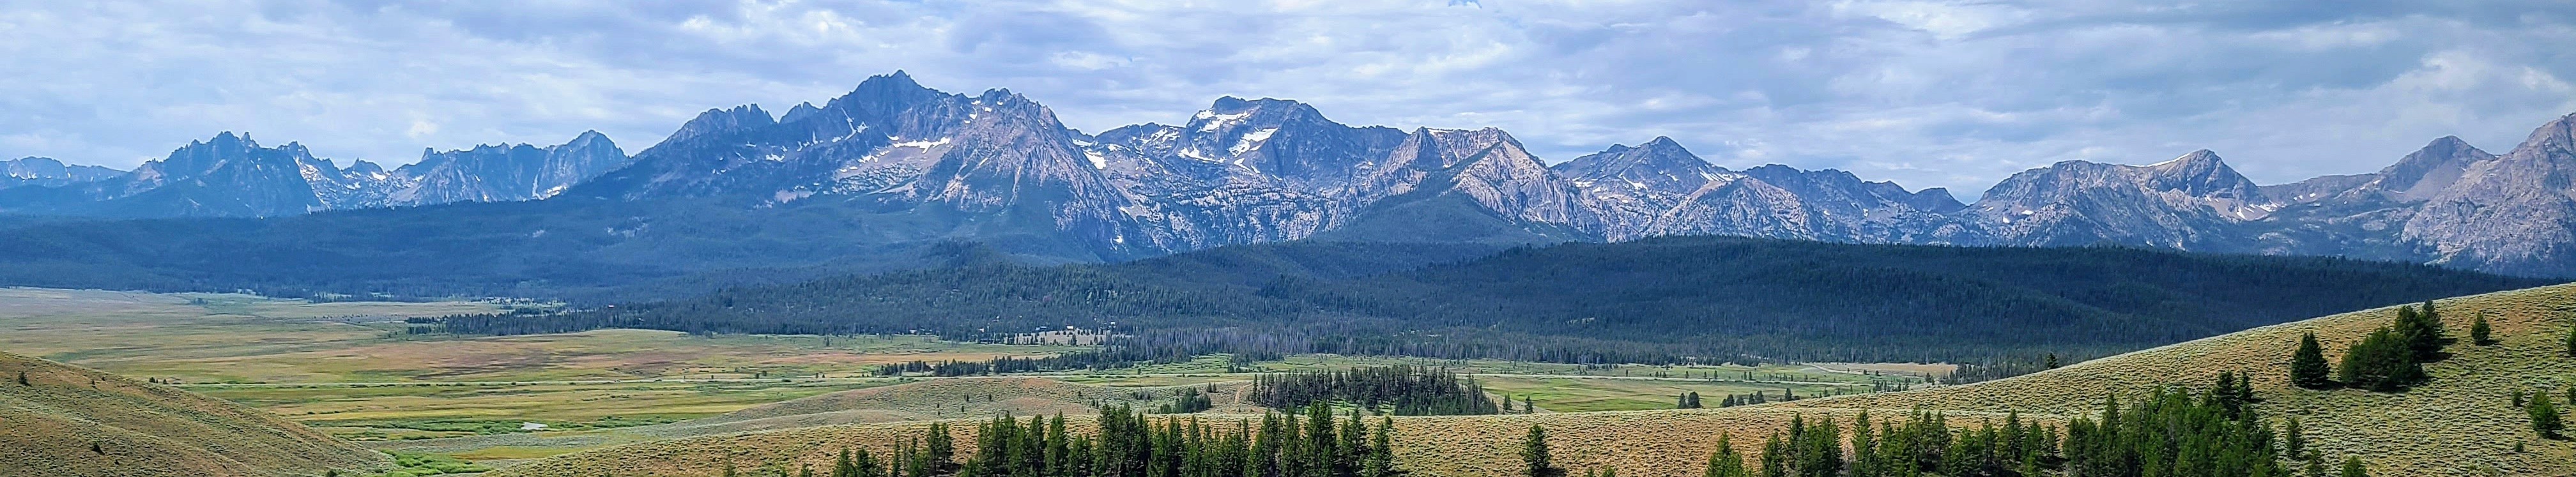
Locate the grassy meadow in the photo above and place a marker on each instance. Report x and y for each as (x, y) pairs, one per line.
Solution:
(352, 370)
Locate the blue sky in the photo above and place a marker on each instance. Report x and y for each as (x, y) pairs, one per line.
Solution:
(1927, 93)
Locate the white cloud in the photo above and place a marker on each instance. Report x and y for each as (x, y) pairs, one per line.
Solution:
(1928, 93)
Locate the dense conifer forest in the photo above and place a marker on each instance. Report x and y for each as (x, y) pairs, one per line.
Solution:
(2168, 433)
(1665, 300)
(1398, 390)
(1127, 443)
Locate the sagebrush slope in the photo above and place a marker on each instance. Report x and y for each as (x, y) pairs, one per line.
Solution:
(69, 420)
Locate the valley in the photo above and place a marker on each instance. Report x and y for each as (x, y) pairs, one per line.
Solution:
(354, 370)
(1424, 238)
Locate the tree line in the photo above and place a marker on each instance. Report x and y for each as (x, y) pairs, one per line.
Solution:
(1402, 390)
(1128, 443)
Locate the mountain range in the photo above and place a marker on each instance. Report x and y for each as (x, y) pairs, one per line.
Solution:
(233, 176)
(997, 164)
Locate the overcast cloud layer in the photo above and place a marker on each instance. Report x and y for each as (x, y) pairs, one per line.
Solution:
(1955, 94)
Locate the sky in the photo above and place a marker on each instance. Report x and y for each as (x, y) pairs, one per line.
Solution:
(1925, 93)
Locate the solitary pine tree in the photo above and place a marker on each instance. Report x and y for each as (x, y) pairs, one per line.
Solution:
(1534, 453)
(2571, 343)
(1726, 462)
(2352, 467)
(2479, 331)
(2052, 361)
(2544, 416)
(2308, 368)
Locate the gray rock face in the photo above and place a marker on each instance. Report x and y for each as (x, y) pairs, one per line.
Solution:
(233, 176)
(2185, 203)
(501, 173)
(45, 171)
(1660, 188)
(2514, 213)
(1241, 171)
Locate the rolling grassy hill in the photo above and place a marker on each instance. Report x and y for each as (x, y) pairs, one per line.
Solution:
(2461, 423)
(68, 420)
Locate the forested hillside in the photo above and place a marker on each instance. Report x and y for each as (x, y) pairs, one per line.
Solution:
(1657, 300)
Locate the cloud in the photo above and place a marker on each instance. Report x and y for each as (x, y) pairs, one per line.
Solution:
(1928, 93)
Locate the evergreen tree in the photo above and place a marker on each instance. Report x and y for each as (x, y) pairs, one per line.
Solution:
(2570, 340)
(2421, 330)
(841, 466)
(2382, 362)
(2294, 440)
(2052, 361)
(1381, 452)
(1726, 462)
(2544, 416)
(2479, 332)
(2352, 467)
(2308, 368)
(1534, 455)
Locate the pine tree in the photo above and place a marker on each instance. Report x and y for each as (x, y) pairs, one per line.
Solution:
(2544, 416)
(2294, 440)
(2571, 346)
(841, 466)
(2352, 467)
(22, 375)
(2308, 368)
(2052, 361)
(1381, 452)
(2479, 331)
(2382, 362)
(1726, 462)
(1535, 456)
(2422, 331)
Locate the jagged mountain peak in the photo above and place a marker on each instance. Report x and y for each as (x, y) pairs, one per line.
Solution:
(1659, 164)
(2559, 134)
(799, 112)
(2429, 170)
(2202, 173)
(719, 121)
